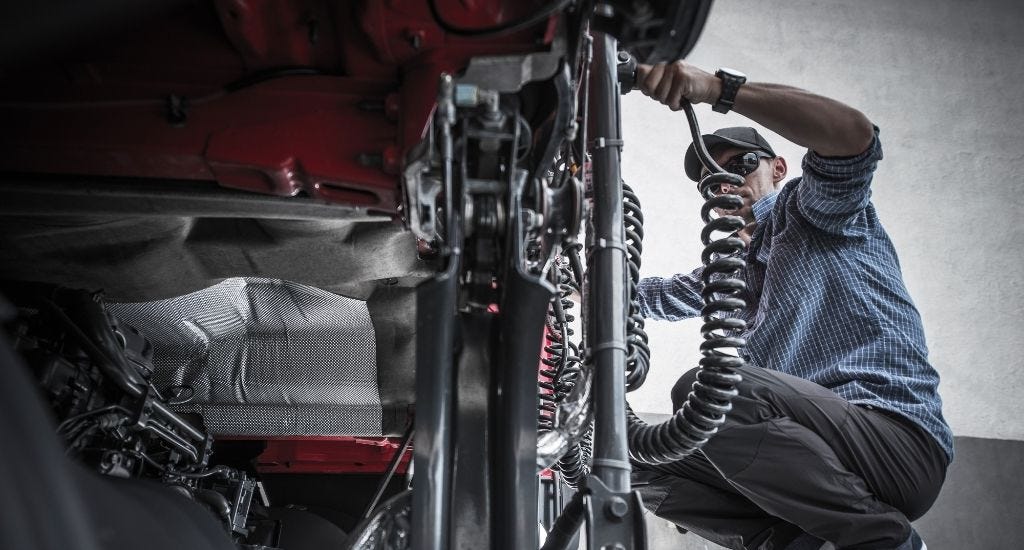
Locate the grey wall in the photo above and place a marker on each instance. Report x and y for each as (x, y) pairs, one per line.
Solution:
(943, 80)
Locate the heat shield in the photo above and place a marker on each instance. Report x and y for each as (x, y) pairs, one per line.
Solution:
(265, 357)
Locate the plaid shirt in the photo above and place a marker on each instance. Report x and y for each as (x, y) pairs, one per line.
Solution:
(826, 297)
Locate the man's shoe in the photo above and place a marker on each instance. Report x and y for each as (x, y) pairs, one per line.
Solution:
(913, 542)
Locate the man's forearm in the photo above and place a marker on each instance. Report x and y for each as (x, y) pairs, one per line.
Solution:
(826, 126)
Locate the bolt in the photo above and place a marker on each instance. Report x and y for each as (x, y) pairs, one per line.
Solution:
(617, 508)
(415, 38)
(467, 95)
(370, 160)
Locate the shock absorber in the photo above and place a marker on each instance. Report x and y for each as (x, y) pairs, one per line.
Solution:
(711, 399)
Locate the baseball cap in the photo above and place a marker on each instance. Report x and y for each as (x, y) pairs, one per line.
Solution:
(743, 137)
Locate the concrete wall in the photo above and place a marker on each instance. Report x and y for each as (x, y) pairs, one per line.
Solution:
(943, 79)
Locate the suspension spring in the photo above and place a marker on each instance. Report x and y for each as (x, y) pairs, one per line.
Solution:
(638, 360)
(711, 399)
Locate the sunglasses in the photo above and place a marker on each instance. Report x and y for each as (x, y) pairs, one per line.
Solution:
(741, 164)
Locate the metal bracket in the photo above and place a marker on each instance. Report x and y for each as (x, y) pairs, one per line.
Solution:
(509, 73)
(601, 143)
(241, 502)
(422, 189)
(140, 420)
(615, 521)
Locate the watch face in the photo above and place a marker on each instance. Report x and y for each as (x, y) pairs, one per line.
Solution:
(732, 72)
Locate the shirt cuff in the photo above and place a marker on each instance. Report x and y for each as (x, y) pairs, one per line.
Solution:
(646, 292)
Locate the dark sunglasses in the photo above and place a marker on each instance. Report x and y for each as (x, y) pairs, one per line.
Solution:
(741, 164)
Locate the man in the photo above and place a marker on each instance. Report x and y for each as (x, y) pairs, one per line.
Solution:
(837, 434)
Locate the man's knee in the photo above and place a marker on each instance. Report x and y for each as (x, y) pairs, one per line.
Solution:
(758, 389)
(683, 388)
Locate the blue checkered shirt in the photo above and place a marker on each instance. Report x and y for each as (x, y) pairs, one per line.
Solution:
(826, 297)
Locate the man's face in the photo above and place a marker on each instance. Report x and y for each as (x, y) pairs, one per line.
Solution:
(757, 184)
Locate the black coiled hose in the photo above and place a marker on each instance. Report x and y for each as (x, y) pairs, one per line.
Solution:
(638, 359)
(711, 399)
(561, 363)
(575, 465)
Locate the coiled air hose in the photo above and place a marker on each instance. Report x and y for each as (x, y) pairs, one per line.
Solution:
(561, 364)
(575, 465)
(638, 359)
(561, 367)
(711, 398)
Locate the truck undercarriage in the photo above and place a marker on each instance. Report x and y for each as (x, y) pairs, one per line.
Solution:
(257, 251)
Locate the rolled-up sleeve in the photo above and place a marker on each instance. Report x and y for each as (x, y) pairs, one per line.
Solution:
(671, 298)
(834, 191)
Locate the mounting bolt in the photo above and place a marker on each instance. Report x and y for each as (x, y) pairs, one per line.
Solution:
(467, 95)
(415, 38)
(616, 508)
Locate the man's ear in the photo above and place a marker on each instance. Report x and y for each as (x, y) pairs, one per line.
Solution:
(778, 169)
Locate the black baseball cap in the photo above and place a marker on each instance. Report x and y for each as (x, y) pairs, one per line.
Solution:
(743, 137)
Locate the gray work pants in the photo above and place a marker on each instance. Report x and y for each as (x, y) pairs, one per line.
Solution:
(795, 457)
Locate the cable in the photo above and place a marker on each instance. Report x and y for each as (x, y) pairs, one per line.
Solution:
(561, 369)
(396, 459)
(638, 360)
(711, 399)
(220, 470)
(148, 460)
(561, 364)
(73, 419)
(264, 75)
(575, 464)
(504, 28)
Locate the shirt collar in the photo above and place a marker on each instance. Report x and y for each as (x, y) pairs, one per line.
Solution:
(763, 207)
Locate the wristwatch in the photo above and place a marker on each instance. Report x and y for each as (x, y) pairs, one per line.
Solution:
(731, 82)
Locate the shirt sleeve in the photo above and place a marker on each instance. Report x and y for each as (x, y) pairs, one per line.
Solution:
(671, 298)
(835, 191)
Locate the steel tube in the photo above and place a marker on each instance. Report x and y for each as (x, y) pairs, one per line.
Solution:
(433, 455)
(608, 292)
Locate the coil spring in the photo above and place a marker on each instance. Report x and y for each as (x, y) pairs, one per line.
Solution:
(711, 399)
(638, 360)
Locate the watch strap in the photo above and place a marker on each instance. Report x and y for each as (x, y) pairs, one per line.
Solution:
(730, 86)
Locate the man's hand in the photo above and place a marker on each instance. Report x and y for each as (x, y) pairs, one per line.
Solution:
(673, 83)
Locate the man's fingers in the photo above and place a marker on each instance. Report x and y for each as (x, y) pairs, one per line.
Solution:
(653, 79)
(677, 96)
(665, 84)
(641, 74)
